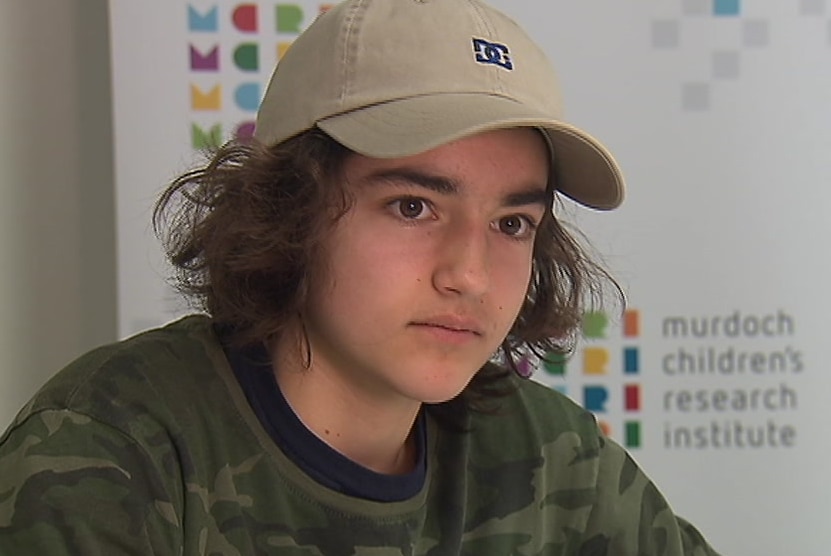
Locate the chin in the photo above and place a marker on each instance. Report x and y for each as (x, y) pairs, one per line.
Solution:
(424, 383)
(440, 393)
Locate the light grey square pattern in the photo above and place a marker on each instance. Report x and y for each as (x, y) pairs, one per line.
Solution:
(745, 31)
(695, 96)
(756, 33)
(726, 64)
(812, 7)
(665, 33)
(696, 7)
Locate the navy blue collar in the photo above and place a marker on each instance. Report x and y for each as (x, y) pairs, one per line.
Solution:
(324, 464)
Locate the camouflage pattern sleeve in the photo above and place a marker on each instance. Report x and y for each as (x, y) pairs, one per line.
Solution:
(73, 486)
(539, 478)
(631, 515)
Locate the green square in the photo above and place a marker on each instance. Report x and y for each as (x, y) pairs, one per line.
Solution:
(633, 434)
(289, 19)
(594, 324)
(554, 363)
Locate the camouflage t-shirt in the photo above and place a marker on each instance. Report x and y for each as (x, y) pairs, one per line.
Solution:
(148, 446)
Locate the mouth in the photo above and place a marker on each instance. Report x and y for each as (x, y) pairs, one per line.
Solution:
(451, 326)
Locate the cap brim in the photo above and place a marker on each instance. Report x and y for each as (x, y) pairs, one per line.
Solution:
(585, 170)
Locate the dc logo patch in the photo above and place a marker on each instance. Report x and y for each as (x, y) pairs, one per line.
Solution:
(492, 53)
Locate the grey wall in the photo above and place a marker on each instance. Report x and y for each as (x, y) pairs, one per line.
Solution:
(57, 235)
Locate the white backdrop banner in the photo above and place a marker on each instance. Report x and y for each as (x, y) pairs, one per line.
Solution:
(718, 113)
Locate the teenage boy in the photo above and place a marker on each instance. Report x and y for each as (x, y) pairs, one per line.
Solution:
(371, 267)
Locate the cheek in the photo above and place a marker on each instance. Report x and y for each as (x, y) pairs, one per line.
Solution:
(381, 256)
(362, 273)
(511, 281)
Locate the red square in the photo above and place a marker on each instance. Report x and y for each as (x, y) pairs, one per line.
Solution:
(632, 395)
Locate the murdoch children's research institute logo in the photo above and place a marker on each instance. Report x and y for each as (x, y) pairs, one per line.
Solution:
(492, 53)
(604, 374)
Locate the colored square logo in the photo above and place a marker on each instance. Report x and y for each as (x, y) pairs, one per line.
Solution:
(289, 19)
(206, 100)
(245, 130)
(631, 323)
(726, 7)
(631, 361)
(202, 139)
(595, 361)
(632, 397)
(204, 61)
(245, 18)
(207, 22)
(595, 398)
(247, 56)
(594, 325)
(554, 364)
(282, 48)
(632, 434)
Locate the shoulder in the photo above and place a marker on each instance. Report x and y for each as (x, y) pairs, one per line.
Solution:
(543, 432)
(113, 427)
(540, 414)
(542, 399)
(144, 374)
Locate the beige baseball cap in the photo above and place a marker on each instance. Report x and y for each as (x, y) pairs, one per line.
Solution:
(393, 78)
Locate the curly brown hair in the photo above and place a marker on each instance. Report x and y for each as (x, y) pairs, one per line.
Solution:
(244, 235)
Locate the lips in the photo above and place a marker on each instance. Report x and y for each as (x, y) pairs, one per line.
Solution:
(452, 323)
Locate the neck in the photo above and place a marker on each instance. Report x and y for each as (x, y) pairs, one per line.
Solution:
(371, 429)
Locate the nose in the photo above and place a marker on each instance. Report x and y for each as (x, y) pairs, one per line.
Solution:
(463, 261)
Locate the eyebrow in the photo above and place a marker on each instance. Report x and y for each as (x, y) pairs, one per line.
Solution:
(449, 186)
(439, 184)
(533, 196)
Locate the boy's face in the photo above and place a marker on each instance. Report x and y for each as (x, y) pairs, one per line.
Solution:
(426, 273)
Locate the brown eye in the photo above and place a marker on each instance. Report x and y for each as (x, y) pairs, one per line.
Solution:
(513, 225)
(411, 208)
